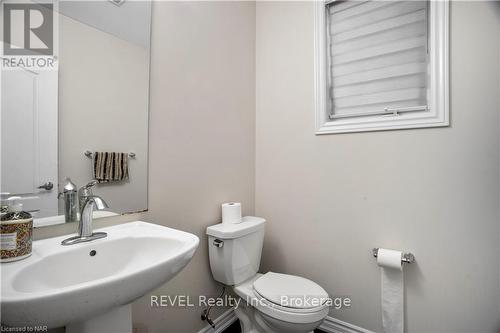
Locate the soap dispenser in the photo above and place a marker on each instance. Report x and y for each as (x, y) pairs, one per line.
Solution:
(16, 232)
(70, 197)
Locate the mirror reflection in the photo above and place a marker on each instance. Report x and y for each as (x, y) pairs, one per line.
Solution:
(80, 129)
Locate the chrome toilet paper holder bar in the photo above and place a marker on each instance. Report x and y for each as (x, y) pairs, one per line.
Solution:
(407, 258)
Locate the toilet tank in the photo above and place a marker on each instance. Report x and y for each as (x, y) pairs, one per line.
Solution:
(235, 249)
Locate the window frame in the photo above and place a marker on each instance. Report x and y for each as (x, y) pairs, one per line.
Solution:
(437, 114)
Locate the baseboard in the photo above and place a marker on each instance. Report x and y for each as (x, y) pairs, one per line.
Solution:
(333, 325)
(221, 323)
(329, 325)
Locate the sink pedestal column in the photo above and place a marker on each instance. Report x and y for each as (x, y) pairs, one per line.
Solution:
(117, 320)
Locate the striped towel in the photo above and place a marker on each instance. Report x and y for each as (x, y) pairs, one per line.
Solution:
(110, 167)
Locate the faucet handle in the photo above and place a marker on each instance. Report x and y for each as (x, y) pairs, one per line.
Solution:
(86, 191)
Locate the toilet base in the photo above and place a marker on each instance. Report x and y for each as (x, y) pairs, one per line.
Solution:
(253, 321)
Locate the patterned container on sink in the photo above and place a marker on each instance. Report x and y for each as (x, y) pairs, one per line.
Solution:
(16, 235)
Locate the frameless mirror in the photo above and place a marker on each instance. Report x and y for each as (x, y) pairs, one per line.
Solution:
(94, 99)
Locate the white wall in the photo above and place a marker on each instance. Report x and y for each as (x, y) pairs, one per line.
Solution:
(103, 106)
(330, 199)
(202, 137)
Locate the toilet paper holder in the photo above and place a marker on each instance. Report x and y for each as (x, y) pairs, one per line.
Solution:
(407, 258)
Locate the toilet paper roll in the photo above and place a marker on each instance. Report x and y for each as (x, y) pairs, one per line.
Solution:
(390, 259)
(392, 289)
(231, 212)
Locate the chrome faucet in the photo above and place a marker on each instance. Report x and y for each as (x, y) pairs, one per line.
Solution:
(85, 233)
(85, 191)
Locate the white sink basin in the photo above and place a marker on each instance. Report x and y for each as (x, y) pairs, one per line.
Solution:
(60, 285)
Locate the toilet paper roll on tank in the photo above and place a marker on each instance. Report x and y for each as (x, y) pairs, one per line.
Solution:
(231, 213)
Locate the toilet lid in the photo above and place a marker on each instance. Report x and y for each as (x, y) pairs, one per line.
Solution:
(290, 291)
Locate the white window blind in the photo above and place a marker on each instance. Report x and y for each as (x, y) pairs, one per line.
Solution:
(377, 53)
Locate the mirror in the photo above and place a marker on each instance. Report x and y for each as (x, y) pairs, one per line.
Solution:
(94, 99)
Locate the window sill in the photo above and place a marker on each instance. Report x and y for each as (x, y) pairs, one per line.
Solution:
(383, 123)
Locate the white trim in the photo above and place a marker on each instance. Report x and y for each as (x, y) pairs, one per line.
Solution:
(221, 323)
(329, 325)
(333, 325)
(320, 95)
(438, 115)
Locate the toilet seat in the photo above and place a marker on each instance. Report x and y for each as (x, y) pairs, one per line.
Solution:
(295, 293)
(264, 302)
(247, 291)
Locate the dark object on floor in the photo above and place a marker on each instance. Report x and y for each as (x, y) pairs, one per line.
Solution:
(235, 328)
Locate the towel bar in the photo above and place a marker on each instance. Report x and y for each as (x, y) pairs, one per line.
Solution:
(88, 153)
(407, 258)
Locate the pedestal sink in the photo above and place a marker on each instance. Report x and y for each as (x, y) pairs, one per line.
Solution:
(88, 287)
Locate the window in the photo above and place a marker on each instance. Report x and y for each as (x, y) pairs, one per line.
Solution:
(381, 65)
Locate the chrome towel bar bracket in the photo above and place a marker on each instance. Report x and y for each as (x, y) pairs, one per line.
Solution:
(89, 154)
(407, 258)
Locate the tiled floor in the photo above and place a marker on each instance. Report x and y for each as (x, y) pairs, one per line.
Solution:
(235, 328)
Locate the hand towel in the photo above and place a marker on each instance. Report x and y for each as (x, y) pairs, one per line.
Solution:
(110, 167)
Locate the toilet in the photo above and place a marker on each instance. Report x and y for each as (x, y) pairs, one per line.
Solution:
(270, 302)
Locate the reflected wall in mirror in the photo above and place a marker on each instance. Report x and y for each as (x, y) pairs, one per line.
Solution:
(95, 100)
